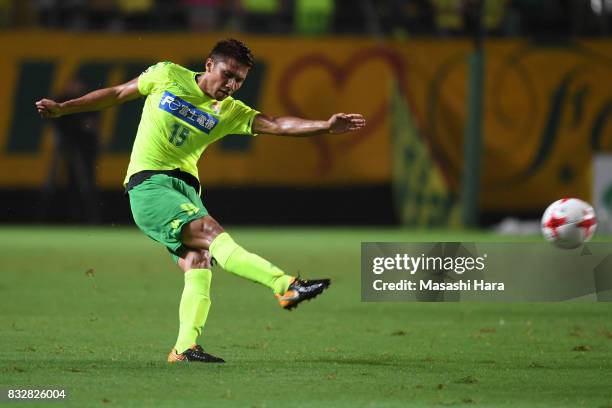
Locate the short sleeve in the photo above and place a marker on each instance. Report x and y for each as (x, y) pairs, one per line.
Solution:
(152, 76)
(242, 119)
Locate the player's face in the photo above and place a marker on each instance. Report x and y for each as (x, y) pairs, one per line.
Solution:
(224, 77)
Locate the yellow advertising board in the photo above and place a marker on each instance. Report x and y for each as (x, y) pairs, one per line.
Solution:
(546, 109)
(300, 78)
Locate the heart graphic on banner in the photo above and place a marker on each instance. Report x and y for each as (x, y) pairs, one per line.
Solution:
(340, 75)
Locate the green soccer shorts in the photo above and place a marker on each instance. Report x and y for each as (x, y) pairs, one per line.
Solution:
(161, 205)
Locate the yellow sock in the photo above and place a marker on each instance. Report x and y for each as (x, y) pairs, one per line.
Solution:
(233, 258)
(194, 307)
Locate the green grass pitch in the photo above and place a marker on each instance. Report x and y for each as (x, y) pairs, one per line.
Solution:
(95, 311)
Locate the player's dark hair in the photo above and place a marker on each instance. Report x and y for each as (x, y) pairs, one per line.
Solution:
(232, 48)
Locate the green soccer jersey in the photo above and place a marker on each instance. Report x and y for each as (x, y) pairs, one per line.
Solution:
(179, 121)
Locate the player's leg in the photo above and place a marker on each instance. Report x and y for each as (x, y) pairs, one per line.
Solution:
(195, 299)
(194, 307)
(206, 233)
(161, 205)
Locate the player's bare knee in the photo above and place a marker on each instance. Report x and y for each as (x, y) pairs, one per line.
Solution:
(205, 259)
(195, 259)
(201, 232)
(210, 227)
(184, 264)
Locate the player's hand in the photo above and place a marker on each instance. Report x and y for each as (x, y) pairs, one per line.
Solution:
(346, 122)
(48, 108)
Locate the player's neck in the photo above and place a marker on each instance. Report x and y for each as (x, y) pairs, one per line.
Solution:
(202, 83)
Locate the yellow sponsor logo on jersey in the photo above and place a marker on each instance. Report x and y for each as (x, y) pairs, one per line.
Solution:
(190, 208)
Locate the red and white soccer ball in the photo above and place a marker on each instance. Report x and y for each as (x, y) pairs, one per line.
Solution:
(568, 223)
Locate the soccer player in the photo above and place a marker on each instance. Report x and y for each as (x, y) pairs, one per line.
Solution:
(184, 113)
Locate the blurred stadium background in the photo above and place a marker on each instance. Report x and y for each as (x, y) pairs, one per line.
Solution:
(478, 112)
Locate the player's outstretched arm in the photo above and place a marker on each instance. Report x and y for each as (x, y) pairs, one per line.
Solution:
(291, 126)
(93, 101)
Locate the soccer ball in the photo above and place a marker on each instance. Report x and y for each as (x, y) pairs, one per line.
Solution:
(568, 223)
